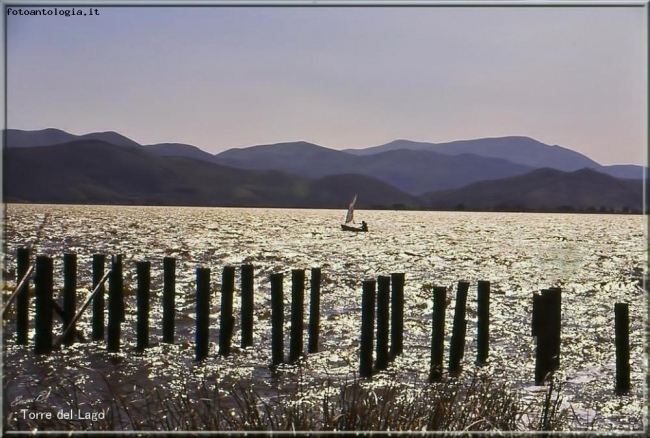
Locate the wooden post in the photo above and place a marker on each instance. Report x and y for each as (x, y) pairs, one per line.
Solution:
(202, 313)
(227, 320)
(556, 300)
(99, 261)
(314, 310)
(536, 316)
(297, 313)
(438, 332)
(547, 323)
(169, 297)
(397, 314)
(143, 270)
(383, 316)
(544, 329)
(247, 305)
(457, 345)
(277, 320)
(69, 294)
(22, 300)
(115, 302)
(44, 290)
(622, 329)
(367, 328)
(117, 266)
(483, 322)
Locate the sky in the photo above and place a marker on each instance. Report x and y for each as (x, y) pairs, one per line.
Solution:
(340, 77)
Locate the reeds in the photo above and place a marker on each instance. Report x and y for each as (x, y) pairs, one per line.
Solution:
(353, 404)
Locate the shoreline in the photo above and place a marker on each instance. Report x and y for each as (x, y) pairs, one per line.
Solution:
(561, 210)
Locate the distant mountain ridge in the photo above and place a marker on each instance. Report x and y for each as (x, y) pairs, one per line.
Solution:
(545, 188)
(96, 172)
(179, 150)
(415, 172)
(51, 137)
(94, 168)
(519, 150)
(516, 149)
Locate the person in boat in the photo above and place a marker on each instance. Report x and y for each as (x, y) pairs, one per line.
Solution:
(364, 226)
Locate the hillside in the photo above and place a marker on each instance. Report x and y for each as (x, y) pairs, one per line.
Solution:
(414, 172)
(545, 189)
(516, 149)
(297, 174)
(85, 172)
(179, 150)
(514, 155)
(16, 138)
(301, 158)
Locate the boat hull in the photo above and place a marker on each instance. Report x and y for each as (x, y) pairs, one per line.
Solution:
(349, 228)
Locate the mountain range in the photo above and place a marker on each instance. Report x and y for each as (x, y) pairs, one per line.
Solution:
(53, 166)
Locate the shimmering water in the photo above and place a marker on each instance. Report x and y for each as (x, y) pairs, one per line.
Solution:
(598, 260)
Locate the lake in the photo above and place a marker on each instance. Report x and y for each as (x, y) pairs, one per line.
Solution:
(597, 260)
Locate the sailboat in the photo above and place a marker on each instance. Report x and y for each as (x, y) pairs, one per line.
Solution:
(349, 219)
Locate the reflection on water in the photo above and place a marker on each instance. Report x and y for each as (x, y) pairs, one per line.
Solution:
(598, 260)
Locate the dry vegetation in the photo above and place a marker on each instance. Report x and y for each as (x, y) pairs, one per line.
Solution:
(385, 404)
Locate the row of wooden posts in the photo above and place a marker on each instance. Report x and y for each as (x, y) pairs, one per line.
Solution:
(376, 297)
(379, 291)
(547, 325)
(45, 303)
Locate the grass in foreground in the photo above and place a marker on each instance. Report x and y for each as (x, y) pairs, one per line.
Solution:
(479, 404)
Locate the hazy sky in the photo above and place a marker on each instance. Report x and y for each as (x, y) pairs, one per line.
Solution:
(222, 77)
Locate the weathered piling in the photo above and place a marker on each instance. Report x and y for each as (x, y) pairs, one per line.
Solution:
(537, 330)
(22, 299)
(457, 345)
(483, 321)
(115, 305)
(383, 316)
(314, 310)
(169, 297)
(99, 261)
(544, 328)
(44, 290)
(297, 313)
(202, 313)
(397, 314)
(117, 266)
(535, 317)
(438, 332)
(69, 294)
(622, 329)
(555, 314)
(226, 318)
(367, 328)
(143, 271)
(247, 305)
(277, 320)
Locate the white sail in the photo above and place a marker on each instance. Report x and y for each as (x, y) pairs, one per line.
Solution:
(350, 216)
